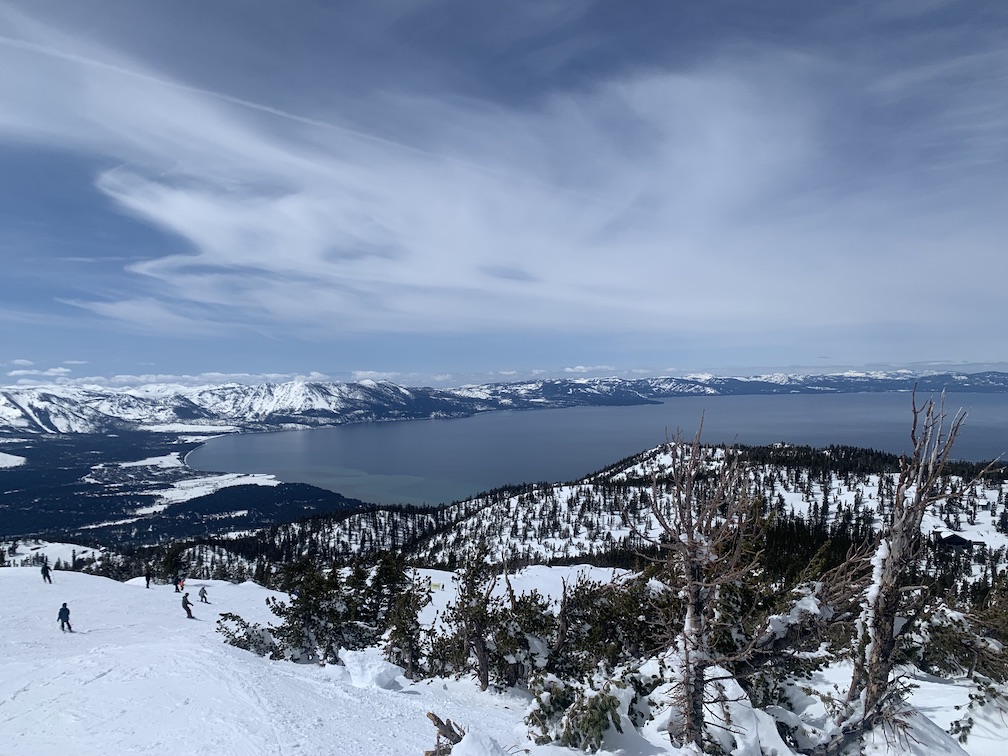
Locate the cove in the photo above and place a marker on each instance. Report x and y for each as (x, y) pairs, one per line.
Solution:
(435, 461)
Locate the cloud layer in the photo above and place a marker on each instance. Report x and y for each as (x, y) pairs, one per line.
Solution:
(766, 192)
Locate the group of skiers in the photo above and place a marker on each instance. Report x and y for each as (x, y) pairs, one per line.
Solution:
(63, 617)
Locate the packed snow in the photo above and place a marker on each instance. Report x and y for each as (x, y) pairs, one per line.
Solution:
(137, 676)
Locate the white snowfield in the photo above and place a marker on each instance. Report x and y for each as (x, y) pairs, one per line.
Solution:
(10, 460)
(137, 676)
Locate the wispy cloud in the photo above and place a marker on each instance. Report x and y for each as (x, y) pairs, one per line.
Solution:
(49, 372)
(61, 376)
(583, 369)
(756, 190)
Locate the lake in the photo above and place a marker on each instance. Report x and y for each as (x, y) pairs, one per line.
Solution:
(434, 461)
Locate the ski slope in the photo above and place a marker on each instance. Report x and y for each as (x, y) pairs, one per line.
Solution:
(136, 676)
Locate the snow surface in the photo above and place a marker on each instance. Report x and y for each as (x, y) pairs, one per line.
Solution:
(167, 460)
(50, 550)
(10, 460)
(137, 676)
(184, 490)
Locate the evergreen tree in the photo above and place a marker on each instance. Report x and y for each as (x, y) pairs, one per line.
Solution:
(404, 635)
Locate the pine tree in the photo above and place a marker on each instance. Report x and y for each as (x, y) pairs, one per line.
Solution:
(404, 635)
(473, 615)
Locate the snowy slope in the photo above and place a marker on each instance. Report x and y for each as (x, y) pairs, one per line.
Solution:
(231, 406)
(137, 676)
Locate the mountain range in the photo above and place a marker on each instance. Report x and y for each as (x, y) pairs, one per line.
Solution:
(304, 404)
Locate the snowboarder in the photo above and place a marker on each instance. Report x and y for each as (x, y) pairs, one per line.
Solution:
(187, 605)
(45, 574)
(147, 575)
(202, 595)
(64, 618)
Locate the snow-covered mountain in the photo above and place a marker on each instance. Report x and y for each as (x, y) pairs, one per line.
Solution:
(299, 404)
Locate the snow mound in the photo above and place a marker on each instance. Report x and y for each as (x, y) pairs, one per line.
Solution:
(368, 669)
(476, 743)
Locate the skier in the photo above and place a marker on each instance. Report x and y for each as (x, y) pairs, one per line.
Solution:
(64, 618)
(187, 605)
(177, 583)
(202, 595)
(147, 575)
(45, 574)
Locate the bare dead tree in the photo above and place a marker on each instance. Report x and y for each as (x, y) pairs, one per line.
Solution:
(873, 694)
(707, 528)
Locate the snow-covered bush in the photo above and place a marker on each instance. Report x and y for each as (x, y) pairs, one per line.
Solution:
(578, 714)
(248, 636)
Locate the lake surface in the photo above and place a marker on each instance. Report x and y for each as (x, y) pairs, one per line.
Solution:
(434, 461)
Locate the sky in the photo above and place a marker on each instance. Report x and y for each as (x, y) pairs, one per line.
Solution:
(448, 192)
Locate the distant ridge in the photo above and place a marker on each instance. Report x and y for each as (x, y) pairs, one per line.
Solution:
(308, 404)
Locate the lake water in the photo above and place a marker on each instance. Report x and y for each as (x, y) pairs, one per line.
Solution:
(433, 461)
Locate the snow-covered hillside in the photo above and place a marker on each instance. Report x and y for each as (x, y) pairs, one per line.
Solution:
(607, 512)
(137, 676)
(299, 404)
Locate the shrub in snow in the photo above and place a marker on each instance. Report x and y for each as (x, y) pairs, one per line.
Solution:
(313, 626)
(574, 714)
(473, 615)
(245, 635)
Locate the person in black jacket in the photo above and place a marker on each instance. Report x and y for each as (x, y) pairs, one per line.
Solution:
(45, 573)
(64, 618)
(187, 605)
(147, 575)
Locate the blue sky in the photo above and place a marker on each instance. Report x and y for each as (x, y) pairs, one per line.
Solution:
(449, 192)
